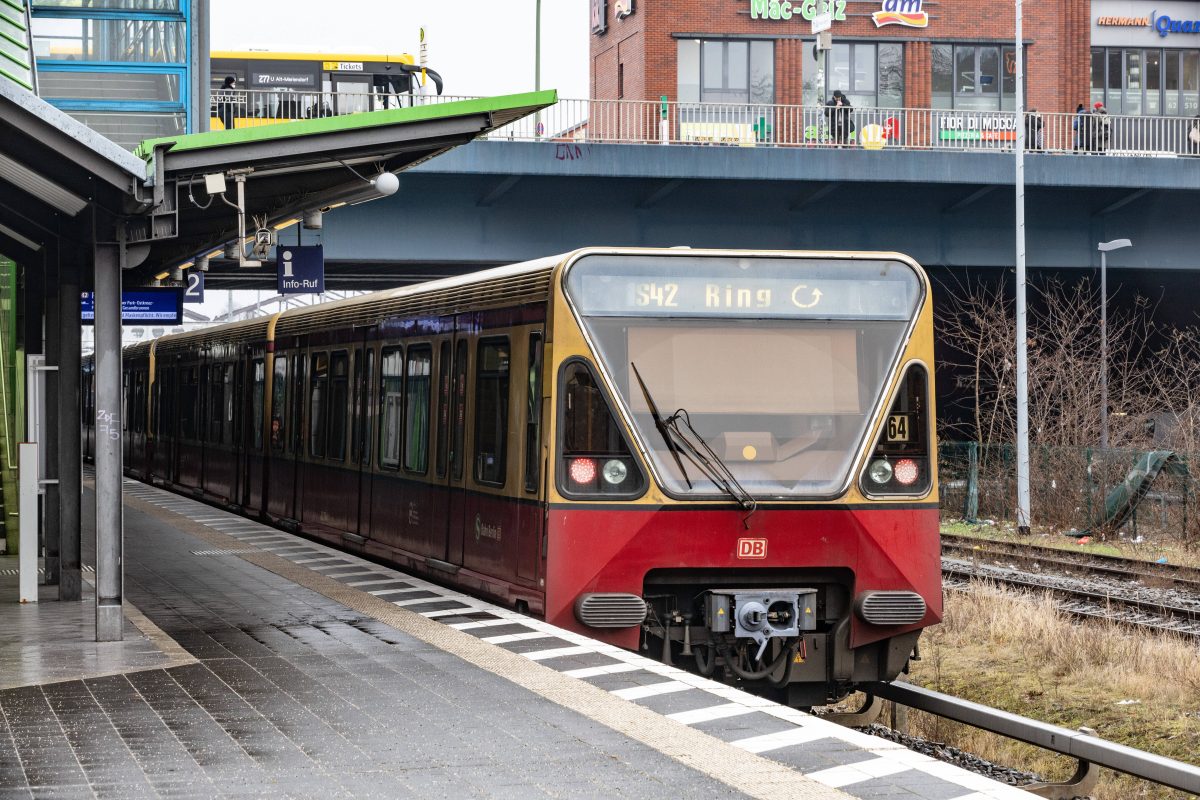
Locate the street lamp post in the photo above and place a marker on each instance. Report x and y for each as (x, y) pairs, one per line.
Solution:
(1104, 248)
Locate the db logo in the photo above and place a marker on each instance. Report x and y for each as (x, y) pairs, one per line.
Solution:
(752, 548)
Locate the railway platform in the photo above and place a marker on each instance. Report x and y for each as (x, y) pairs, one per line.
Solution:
(260, 664)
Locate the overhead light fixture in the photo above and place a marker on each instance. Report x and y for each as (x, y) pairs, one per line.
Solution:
(386, 183)
(161, 276)
(287, 223)
(40, 187)
(202, 263)
(313, 219)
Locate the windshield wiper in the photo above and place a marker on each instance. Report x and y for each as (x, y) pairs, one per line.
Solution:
(701, 454)
(710, 463)
(660, 425)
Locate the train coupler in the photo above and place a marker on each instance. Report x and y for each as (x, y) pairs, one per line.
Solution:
(761, 614)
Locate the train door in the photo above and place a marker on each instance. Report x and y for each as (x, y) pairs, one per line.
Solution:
(361, 450)
(456, 493)
(531, 519)
(287, 434)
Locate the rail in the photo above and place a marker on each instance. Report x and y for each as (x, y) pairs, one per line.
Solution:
(1089, 749)
(759, 125)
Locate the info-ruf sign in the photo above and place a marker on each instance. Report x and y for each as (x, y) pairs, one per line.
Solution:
(300, 269)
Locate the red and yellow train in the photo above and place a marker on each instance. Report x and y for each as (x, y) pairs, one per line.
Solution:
(724, 457)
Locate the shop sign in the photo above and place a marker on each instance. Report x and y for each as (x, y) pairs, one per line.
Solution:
(901, 12)
(1126, 23)
(958, 126)
(806, 10)
(893, 12)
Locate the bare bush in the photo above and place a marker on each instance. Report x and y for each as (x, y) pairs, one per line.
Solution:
(1153, 375)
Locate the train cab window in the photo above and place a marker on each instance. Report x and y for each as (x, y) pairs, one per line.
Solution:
(491, 411)
(256, 403)
(458, 417)
(279, 405)
(533, 414)
(443, 409)
(297, 417)
(391, 402)
(339, 392)
(318, 419)
(595, 457)
(416, 408)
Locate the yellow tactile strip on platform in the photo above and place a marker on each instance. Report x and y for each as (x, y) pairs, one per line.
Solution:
(751, 774)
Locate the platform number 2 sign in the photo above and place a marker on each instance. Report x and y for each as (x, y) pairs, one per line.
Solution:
(194, 293)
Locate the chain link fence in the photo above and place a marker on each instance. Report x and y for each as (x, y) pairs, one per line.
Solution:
(1152, 494)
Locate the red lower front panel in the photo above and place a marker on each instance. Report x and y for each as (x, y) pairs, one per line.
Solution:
(611, 550)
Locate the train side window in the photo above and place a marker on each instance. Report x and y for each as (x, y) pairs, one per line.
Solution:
(126, 399)
(256, 403)
(491, 410)
(187, 403)
(279, 404)
(216, 403)
(357, 407)
(318, 418)
(228, 430)
(297, 418)
(339, 392)
(203, 400)
(416, 408)
(533, 414)
(458, 418)
(443, 409)
(367, 414)
(391, 401)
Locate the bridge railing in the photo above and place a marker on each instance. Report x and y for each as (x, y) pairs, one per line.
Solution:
(761, 125)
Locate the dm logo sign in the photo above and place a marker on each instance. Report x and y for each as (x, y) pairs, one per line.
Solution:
(300, 269)
(901, 12)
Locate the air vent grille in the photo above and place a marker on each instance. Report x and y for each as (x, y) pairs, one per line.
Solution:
(610, 610)
(891, 608)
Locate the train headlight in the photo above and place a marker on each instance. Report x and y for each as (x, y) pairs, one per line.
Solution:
(615, 471)
(907, 471)
(880, 471)
(583, 471)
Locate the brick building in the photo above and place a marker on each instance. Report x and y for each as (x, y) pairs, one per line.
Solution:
(941, 54)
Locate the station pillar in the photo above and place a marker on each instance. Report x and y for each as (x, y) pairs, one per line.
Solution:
(70, 444)
(110, 581)
(51, 423)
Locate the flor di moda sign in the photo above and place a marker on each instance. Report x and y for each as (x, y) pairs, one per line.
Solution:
(893, 12)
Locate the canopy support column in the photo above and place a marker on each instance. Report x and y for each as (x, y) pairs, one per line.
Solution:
(70, 440)
(109, 420)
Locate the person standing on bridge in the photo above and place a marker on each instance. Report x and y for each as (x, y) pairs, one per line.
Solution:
(838, 112)
(1098, 128)
(225, 101)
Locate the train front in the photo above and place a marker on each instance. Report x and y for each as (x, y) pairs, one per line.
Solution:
(745, 476)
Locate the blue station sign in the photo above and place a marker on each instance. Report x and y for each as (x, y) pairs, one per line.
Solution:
(300, 269)
(162, 305)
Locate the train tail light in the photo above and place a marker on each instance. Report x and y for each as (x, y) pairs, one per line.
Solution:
(902, 463)
(583, 472)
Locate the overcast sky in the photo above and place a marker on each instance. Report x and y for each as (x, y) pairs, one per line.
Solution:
(479, 48)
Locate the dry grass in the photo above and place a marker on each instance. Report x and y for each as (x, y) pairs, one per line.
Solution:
(1149, 549)
(1017, 652)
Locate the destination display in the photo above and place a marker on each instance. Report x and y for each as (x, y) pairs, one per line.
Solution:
(140, 305)
(607, 286)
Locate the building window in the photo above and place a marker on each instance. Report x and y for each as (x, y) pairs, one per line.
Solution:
(720, 71)
(870, 75)
(1152, 82)
(974, 77)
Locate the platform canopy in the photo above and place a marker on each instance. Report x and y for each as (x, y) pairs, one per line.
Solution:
(299, 166)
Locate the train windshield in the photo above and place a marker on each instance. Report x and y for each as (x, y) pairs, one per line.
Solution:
(776, 363)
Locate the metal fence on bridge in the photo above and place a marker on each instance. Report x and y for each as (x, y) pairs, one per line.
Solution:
(758, 125)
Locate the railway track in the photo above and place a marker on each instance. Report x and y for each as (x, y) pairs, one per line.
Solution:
(1140, 594)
